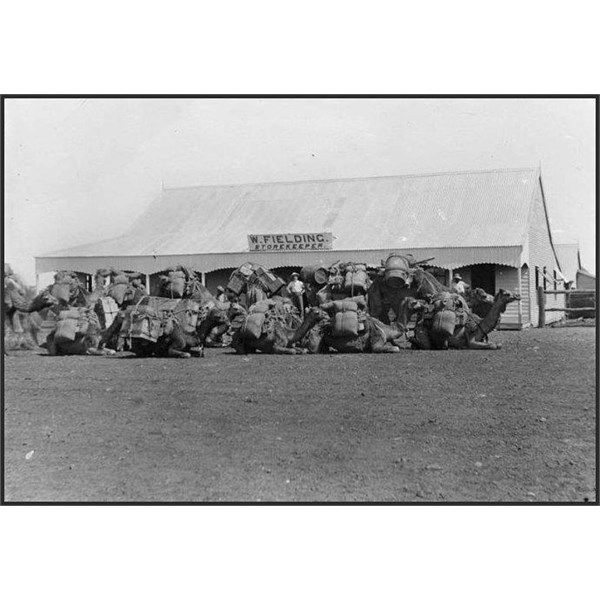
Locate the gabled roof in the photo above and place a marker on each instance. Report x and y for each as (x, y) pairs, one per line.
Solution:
(453, 210)
(569, 260)
(585, 272)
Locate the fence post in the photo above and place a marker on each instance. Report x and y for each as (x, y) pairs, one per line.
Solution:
(541, 307)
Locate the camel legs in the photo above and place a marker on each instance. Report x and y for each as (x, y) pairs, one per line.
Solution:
(100, 352)
(176, 348)
(475, 345)
(112, 331)
(16, 323)
(174, 353)
(384, 349)
(285, 350)
(51, 345)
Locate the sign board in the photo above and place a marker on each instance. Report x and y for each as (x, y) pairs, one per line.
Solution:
(286, 242)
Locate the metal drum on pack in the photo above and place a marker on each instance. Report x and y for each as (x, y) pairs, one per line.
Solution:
(396, 271)
(314, 274)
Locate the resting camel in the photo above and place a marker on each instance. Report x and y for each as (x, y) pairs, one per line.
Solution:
(374, 337)
(97, 311)
(16, 303)
(422, 286)
(183, 282)
(472, 334)
(181, 333)
(86, 341)
(381, 297)
(276, 336)
(187, 330)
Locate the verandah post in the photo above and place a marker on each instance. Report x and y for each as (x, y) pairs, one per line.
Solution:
(541, 307)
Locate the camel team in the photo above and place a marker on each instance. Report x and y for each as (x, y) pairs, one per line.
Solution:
(346, 307)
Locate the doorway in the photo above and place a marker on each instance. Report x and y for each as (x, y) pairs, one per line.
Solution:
(484, 277)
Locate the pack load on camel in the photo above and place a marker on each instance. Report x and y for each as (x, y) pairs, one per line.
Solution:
(168, 327)
(270, 326)
(255, 282)
(398, 269)
(440, 316)
(78, 321)
(77, 331)
(182, 282)
(446, 321)
(348, 316)
(398, 278)
(340, 281)
(344, 326)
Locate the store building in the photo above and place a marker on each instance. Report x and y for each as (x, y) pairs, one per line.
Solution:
(492, 227)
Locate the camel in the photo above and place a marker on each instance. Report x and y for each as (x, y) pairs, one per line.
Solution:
(16, 303)
(182, 282)
(472, 334)
(181, 331)
(373, 338)
(97, 311)
(69, 291)
(85, 341)
(422, 286)
(381, 297)
(276, 335)
(186, 331)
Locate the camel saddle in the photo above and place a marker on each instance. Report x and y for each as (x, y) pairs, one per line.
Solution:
(346, 320)
(148, 317)
(71, 322)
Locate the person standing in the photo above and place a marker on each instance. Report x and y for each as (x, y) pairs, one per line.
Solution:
(458, 285)
(296, 290)
(221, 294)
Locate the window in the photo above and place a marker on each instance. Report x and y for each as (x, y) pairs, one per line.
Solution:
(545, 279)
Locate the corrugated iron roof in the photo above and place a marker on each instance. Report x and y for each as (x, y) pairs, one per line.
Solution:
(464, 209)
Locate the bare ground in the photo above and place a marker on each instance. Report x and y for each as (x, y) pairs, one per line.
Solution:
(516, 425)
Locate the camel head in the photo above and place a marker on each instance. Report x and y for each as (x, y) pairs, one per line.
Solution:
(43, 300)
(133, 294)
(504, 297)
(169, 326)
(13, 292)
(415, 305)
(67, 288)
(481, 295)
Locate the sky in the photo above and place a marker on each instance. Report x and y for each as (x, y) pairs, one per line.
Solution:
(82, 170)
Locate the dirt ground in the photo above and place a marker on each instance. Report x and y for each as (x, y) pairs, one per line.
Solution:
(515, 425)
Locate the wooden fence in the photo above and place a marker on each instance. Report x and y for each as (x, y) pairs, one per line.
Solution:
(574, 297)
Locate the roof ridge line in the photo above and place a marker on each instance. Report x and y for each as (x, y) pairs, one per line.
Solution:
(405, 176)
